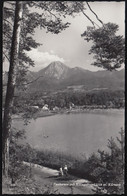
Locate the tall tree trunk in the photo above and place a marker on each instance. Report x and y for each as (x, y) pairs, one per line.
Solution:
(11, 86)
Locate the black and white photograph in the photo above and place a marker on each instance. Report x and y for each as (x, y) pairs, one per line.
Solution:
(63, 97)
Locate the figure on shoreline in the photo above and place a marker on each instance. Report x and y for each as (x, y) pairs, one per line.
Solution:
(61, 171)
(65, 170)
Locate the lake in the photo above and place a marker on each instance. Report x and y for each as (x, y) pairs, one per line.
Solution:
(76, 134)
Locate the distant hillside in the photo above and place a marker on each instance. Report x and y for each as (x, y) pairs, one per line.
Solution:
(58, 76)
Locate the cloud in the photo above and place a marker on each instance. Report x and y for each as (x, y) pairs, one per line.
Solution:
(52, 51)
(43, 59)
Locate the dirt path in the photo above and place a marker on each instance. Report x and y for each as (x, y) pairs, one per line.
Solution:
(60, 185)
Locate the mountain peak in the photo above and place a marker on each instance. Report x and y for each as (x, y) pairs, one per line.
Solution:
(57, 64)
(56, 70)
(58, 76)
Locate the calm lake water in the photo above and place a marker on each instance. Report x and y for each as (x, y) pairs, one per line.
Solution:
(76, 134)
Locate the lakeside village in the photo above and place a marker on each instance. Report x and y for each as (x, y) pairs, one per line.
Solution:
(40, 104)
(45, 110)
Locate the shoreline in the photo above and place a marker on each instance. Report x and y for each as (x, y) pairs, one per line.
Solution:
(79, 111)
(70, 111)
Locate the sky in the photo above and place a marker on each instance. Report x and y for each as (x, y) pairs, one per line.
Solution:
(68, 46)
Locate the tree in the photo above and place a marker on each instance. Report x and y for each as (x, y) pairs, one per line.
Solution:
(15, 153)
(19, 23)
(11, 85)
(108, 48)
(113, 165)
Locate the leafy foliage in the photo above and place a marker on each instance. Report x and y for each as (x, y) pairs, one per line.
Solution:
(106, 99)
(111, 170)
(50, 20)
(108, 48)
(47, 15)
(18, 28)
(102, 167)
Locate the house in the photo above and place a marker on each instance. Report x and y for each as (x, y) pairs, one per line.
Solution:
(71, 105)
(55, 108)
(45, 107)
(35, 106)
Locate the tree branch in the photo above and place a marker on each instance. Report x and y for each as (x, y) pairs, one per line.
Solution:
(51, 13)
(87, 16)
(26, 83)
(94, 13)
(47, 9)
(9, 2)
(8, 9)
(31, 81)
(5, 33)
(6, 56)
(8, 22)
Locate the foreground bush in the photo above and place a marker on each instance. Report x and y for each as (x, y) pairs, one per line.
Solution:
(102, 167)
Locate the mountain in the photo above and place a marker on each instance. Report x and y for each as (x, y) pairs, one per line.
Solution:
(58, 76)
(55, 70)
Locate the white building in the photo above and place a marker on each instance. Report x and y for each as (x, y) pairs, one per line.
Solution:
(35, 106)
(55, 108)
(45, 107)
